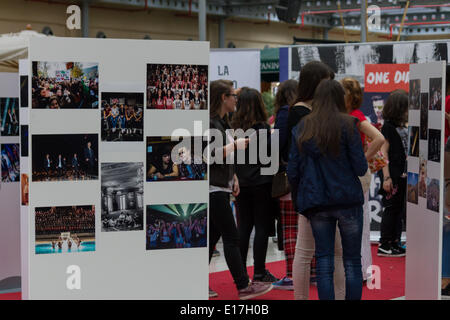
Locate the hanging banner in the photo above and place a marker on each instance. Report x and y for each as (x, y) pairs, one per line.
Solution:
(243, 67)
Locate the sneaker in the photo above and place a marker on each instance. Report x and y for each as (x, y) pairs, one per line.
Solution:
(267, 277)
(216, 253)
(284, 284)
(390, 251)
(398, 250)
(212, 293)
(254, 289)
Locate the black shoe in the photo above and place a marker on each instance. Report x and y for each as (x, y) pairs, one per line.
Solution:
(398, 250)
(266, 277)
(390, 251)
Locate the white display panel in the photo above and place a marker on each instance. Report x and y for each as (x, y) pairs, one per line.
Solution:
(9, 186)
(242, 66)
(119, 266)
(425, 211)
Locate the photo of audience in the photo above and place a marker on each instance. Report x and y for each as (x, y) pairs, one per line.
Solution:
(181, 159)
(433, 194)
(413, 191)
(9, 116)
(65, 229)
(10, 157)
(173, 226)
(122, 116)
(414, 94)
(436, 94)
(122, 196)
(434, 145)
(64, 157)
(65, 85)
(177, 87)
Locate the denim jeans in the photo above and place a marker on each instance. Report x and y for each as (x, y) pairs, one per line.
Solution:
(350, 223)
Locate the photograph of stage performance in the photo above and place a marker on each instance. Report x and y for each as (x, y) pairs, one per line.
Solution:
(122, 196)
(65, 229)
(122, 116)
(10, 159)
(64, 157)
(65, 85)
(9, 116)
(181, 159)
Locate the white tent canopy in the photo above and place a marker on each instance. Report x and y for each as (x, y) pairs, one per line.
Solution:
(14, 46)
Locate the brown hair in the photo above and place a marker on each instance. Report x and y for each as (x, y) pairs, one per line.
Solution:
(396, 107)
(217, 89)
(324, 123)
(286, 95)
(250, 109)
(354, 94)
(311, 75)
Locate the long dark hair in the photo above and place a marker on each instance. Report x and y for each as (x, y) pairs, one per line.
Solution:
(250, 109)
(311, 75)
(286, 95)
(324, 123)
(218, 88)
(396, 107)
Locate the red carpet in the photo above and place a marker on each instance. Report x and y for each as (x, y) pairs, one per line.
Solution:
(11, 296)
(392, 281)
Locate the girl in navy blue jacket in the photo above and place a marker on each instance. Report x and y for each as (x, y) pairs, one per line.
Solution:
(325, 160)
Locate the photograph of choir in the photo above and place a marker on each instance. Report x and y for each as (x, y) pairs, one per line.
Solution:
(64, 85)
(178, 87)
(176, 226)
(122, 116)
(9, 116)
(122, 196)
(10, 157)
(65, 229)
(179, 160)
(64, 157)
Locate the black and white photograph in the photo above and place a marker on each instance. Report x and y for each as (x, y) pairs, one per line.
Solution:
(414, 94)
(434, 145)
(122, 196)
(424, 116)
(176, 226)
(436, 94)
(413, 141)
(9, 116)
(177, 159)
(177, 87)
(65, 85)
(433, 194)
(24, 91)
(122, 116)
(64, 157)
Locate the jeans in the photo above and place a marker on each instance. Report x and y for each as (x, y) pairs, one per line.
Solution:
(350, 223)
(221, 222)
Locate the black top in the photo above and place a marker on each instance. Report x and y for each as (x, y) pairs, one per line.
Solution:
(296, 113)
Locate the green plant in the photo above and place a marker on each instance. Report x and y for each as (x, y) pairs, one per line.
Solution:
(269, 100)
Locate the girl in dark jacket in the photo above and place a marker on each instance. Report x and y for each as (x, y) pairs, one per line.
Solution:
(325, 161)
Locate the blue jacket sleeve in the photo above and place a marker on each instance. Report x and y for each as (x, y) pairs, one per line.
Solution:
(294, 161)
(357, 158)
(281, 125)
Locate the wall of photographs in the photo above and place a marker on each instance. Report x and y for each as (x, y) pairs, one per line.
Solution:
(9, 182)
(118, 185)
(425, 180)
(349, 60)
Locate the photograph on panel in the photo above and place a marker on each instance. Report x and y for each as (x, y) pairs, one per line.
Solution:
(436, 94)
(414, 94)
(434, 145)
(413, 141)
(64, 157)
(172, 226)
(65, 229)
(24, 186)
(122, 116)
(64, 85)
(122, 196)
(9, 116)
(424, 116)
(433, 194)
(10, 162)
(23, 91)
(422, 176)
(176, 159)
(24, 140)
(177, 86)
(413, 191)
